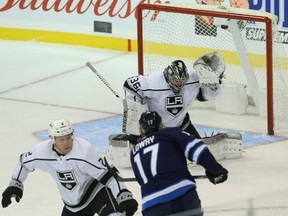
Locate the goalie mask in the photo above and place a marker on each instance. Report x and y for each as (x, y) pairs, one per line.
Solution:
(60, 128)
(149, 122)
(176, 75)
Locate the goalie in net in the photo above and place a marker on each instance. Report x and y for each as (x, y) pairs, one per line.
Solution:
(171, 92)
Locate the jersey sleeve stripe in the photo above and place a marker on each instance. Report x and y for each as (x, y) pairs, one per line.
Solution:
(198, 152)
(194, 149)
(85, 161)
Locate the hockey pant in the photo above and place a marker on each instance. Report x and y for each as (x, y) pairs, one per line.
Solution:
(188, 204)
(188, 127)
(103, 204)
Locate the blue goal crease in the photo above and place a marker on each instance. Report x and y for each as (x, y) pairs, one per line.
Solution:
(98, 131)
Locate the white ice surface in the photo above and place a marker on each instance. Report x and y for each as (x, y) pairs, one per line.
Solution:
(42, 82)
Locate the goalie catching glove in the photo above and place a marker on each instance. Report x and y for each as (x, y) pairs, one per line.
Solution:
(126, 202)
(210, 69)
(15, 189)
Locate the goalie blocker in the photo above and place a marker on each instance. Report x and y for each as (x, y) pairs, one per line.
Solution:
(131, 115)
(222, 146)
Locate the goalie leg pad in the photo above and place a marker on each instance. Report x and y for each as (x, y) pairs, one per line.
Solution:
(119, 150)
(225, 145)
(233, 145)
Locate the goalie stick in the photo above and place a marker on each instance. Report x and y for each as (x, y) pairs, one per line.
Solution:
(121, 179)
(88, 64)
(124, 123)
(132, 110)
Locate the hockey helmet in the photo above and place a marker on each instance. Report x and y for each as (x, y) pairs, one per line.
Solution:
(60, 127)
(149, 122)
(176, 75)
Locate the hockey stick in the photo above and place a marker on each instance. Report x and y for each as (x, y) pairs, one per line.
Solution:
(124, 123)
(115, 175)
(88, 64)
(130, 113)
(121, 179)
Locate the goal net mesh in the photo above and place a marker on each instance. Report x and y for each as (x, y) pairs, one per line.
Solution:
(176, 32)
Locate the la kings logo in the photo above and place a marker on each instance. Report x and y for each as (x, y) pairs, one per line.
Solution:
(67, 179)
(174, 104)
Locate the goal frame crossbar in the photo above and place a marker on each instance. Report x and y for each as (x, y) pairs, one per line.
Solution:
(228, 15)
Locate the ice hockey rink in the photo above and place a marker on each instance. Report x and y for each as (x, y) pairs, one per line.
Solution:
(43, 82)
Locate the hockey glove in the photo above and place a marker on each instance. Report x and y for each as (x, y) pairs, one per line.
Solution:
(133, 139)
(217, 178)
(126, 202)
(15, 189)
(210, 69)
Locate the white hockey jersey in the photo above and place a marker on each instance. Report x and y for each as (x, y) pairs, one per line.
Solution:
(77, 174)
(155, 91)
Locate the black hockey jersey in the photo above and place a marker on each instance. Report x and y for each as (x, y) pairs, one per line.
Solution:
(159, 162)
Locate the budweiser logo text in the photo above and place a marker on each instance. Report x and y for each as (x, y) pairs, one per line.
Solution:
(112, 8)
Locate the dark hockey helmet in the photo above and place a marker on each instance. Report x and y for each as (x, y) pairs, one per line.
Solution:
(176, 75)
(149, 122)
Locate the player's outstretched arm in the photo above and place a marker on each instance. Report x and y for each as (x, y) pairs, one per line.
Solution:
(20, 173)
(215, 172)
(122, 195)
(15, 189)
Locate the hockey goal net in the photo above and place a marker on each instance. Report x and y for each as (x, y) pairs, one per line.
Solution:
(256, 61)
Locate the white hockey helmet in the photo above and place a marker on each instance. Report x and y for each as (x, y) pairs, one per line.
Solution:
(176, 75)
(60, 127)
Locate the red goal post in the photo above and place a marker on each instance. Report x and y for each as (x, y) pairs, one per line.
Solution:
(247, 39)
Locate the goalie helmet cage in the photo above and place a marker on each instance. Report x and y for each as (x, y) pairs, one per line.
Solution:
(249, 41)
